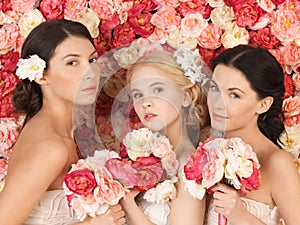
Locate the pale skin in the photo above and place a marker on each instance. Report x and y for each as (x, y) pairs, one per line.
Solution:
(159, 103)
(234, 107)
(45, 149)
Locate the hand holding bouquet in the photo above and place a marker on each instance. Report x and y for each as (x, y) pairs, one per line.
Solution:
(230, 161)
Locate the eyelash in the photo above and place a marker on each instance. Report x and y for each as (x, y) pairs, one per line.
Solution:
(214, 88)
(74, 62)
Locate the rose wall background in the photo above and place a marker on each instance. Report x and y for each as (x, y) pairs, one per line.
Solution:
(207, 25)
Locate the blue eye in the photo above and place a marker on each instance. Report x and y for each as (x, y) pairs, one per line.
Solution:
(137, 95)
(158, 90)
(214, 88)
(234, 96)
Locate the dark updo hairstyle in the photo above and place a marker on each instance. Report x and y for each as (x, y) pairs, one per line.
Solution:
(266, 78)
(43, 40)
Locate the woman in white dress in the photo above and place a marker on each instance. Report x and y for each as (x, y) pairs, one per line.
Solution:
(167, 99)
(56, 72)
(244, 100)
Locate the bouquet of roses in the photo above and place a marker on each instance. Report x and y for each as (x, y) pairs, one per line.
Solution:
(148, 164)
(90, 187)
(230, 161)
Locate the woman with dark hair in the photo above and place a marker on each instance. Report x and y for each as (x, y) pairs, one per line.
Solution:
(57, 72)
(244, 100)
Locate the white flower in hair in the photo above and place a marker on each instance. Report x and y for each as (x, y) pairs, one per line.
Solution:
(31, 68)
(190, 61)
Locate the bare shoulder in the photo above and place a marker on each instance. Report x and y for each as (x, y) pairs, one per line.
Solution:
(280, 163)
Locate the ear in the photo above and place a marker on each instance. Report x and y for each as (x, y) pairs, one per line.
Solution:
(187, 100)
(43, 80)
(265, 104)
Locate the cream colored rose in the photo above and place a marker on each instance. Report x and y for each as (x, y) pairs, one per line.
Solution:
(234, 36)
(126, 56)
(176, 39)
(91, 21)
(221, 16)
(29, 21)
(290, 140)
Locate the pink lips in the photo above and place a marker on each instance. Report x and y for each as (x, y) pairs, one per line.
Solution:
(219, 117)
(90, 89)
(149, 116)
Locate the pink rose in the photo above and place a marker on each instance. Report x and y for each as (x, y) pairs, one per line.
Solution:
(8, 37)
(264, 38)
(170, 164)
(250, 183)
(52, 9)
(73, 9)
(247, 13)
(210, 37)
(81, 182)
(291, 55)
(296, 81)
(166, 19)
(121, 170)
(291, 121)
(291, 106)
(192, 25)
(24, 6)
(108, 190)
(285, 25)
(103, 8)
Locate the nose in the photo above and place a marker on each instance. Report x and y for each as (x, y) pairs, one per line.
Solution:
(147, 102)
(219, 102)
(90, 73)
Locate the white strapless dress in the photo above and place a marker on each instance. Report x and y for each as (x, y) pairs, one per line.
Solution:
(270, 216)
(52, 209)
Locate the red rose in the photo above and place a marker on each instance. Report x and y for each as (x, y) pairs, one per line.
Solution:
(81, 182)
(140, 22)
(195, 164)
(278, 2)
(9, 62)
(194, 6)
(122, 35)
(247, 13)
(8, 82)
(289, 86)
(250, 183)
(149, 172)
(264, 38)
(52, 9)
(6, 108)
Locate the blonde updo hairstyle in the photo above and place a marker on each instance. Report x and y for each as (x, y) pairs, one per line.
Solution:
(197, 111)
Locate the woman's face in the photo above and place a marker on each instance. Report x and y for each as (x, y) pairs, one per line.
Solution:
(157, 100)
(232, 103)
(72, 73)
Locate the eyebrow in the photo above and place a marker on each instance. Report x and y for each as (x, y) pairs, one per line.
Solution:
(154, 84)
(77, 55)
(230, 89)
